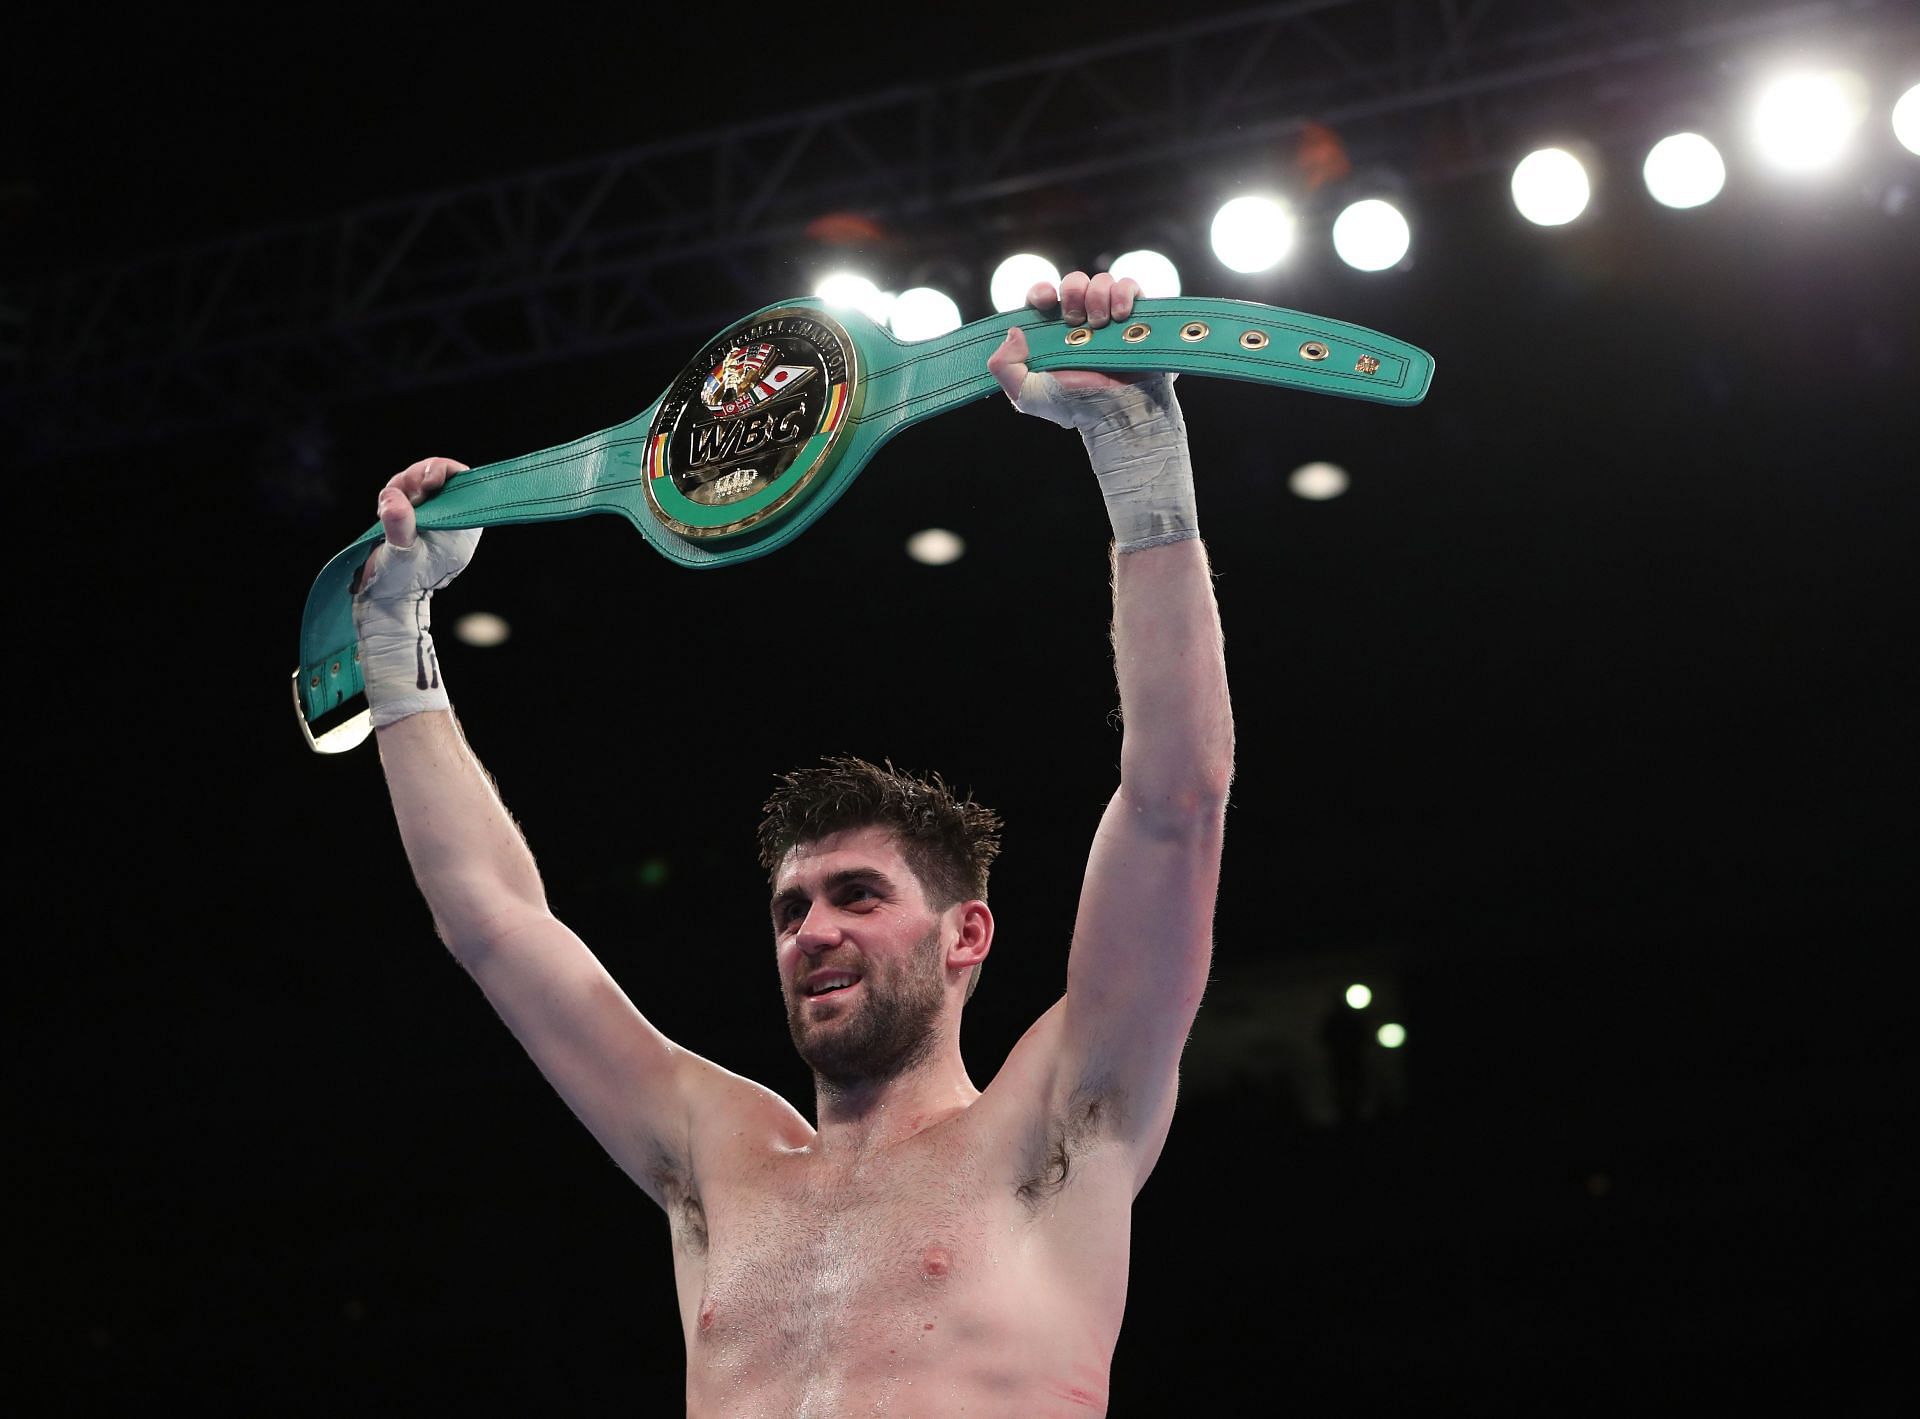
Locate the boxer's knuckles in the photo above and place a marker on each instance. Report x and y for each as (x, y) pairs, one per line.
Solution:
(1073, 296)
(438, 470)
(420, 481)
(1109, 299)
(1100, 300)
(405, 490)
(1095, 301)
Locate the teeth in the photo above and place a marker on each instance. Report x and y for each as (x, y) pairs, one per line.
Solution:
(833, 983)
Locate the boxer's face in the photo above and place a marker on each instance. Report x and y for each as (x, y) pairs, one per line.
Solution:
(860, 954)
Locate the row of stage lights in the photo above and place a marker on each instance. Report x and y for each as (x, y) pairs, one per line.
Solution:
(1801, 124)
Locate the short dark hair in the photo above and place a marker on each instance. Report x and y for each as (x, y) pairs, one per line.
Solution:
(948, 841)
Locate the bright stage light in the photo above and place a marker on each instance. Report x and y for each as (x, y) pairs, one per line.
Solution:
(1359, 997)
(1158, 277)
(1252, 234)
(922, 313)
(1684, 170)
(1804, 122)
(1371, 235)
(1906, 119)
(481, 628)
(1391, 1035)
(935, 546)
(1017, 275)
(1317, 482)
(851, 292)
(1550, 187)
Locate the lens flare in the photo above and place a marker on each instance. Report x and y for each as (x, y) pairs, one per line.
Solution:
(1550, 187)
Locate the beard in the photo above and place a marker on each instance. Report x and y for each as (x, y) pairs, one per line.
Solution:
(887, 1033)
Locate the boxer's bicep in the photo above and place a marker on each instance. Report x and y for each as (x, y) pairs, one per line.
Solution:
(626, 1081)
(1142, 949)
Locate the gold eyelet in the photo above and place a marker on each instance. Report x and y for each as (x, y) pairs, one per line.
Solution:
(1194, 330)
(314, 683)
(1254, 340)
(1314, 350)
(1079, 335)
(336, 668)
(1136, 332)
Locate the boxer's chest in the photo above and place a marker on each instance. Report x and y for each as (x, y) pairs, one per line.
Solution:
(799, 1253)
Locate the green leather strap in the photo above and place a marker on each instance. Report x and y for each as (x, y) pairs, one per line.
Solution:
(598, 473)
(902, 384)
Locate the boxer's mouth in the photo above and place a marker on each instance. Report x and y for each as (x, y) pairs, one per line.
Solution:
(827, 982)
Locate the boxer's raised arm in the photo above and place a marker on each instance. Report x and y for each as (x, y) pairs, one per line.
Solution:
(627, 1082)
(467, 855)
(1143, 938)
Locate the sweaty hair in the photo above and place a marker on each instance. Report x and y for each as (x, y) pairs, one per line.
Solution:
(948, 841)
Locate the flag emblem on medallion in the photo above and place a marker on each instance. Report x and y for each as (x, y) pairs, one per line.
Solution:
(741, 381)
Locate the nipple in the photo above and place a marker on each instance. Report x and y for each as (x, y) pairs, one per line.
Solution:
(937, 1261)
(706, 1315)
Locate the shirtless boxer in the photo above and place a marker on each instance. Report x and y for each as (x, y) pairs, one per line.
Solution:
(924, 1247)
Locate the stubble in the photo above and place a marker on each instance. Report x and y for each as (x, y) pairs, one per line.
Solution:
(890, 1031)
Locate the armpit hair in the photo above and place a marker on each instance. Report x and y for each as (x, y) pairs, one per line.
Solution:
(686, 1215)
(1090, 1113)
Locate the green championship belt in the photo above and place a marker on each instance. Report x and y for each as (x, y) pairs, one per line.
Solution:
(764, 429)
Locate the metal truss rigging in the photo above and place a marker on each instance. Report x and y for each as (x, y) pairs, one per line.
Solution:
(670, 240)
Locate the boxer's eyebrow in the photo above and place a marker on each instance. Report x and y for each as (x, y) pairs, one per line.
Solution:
(833, 883)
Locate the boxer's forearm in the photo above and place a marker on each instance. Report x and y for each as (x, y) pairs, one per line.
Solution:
(1176, 756)
(467, 854)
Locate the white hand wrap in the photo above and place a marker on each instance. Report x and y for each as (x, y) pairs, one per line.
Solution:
(392, 613)
(1137, 442)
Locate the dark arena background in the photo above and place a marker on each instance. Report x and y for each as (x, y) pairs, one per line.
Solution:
(1578, 728)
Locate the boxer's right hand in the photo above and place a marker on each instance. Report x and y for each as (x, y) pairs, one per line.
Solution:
(405, 491)
(393, 595)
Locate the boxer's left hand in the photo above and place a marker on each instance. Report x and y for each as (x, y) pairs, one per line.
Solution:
(1132, 428)
(1094, 301)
